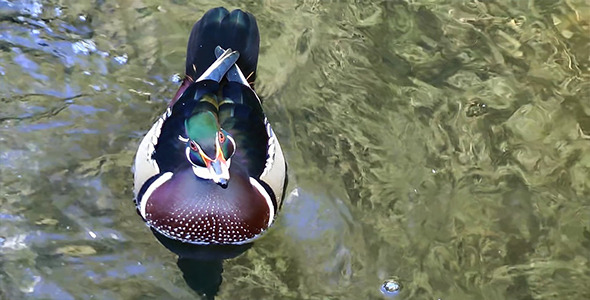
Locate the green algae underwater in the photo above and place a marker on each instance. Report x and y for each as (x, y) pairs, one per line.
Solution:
(443, 144)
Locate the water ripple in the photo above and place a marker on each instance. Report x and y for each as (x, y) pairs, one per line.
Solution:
(439, 144)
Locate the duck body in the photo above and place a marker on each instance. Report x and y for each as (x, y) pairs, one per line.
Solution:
(211, 171)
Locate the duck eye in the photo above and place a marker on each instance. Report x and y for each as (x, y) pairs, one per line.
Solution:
(194, 146)
(221, 137)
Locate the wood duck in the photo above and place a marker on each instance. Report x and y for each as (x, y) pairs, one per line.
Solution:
(211, 171)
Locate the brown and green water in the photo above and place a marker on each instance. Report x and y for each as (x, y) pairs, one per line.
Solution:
(444, 144)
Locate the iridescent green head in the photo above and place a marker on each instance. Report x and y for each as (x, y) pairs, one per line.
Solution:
(209, 148)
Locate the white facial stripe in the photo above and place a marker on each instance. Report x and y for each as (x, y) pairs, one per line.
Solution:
(217, 146)
(232, 141)
(201, 152)
(202, 172)
(156, 184)
(187, 151)
(209, 172)
(224, 173)
(266, 196)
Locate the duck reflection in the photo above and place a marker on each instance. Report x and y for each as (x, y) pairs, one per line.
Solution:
(202, 265)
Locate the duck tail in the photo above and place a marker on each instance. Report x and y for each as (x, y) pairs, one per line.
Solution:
(218, 27)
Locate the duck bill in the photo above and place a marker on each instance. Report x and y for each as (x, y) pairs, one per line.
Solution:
(219, 170)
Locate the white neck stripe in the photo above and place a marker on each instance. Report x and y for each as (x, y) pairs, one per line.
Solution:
(146, 196)
(266, 196)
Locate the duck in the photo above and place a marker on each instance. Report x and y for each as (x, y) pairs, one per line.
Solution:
(211, 171)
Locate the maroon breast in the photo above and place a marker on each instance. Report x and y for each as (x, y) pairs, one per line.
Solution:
(198, 211)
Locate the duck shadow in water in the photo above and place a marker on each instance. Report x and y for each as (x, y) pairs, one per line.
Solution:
(202, 265)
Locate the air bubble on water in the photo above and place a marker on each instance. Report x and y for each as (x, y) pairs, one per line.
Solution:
(176, 78)
(390, 288)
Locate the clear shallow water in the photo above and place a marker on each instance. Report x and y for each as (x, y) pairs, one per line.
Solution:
(441, 143)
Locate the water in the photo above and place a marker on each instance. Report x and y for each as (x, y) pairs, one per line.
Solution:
(443, 144)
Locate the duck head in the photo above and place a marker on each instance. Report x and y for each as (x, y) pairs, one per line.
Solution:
(209, 148)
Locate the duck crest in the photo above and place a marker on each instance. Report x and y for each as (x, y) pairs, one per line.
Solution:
(202, 127)
(211, 170)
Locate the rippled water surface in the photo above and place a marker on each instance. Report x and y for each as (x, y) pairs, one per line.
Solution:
(443, 144)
